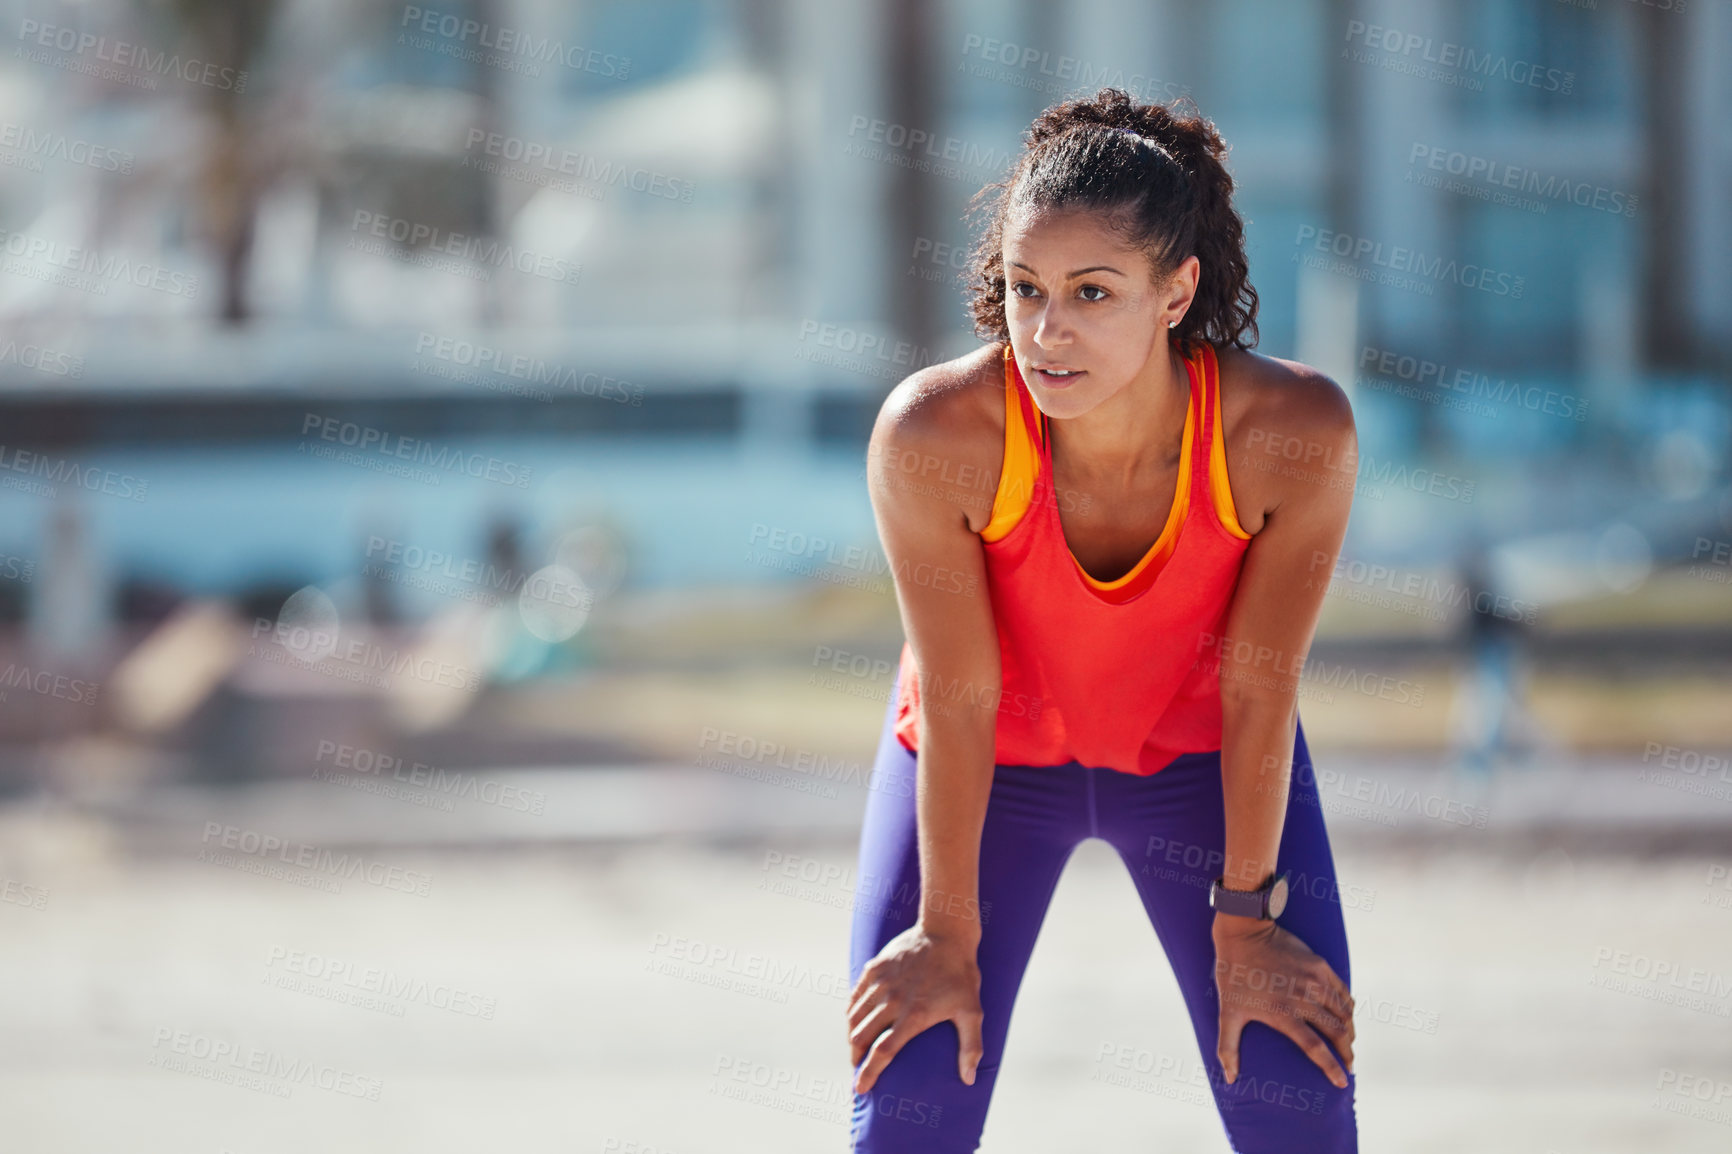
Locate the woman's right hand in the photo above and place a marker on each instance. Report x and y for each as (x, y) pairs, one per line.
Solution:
(916, 981)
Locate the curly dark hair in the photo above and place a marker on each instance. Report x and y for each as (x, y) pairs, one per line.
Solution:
(1169, 195)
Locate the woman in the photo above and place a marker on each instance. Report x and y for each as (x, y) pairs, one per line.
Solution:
(1106, 643)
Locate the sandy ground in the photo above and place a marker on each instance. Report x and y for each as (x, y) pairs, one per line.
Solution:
(547, 999)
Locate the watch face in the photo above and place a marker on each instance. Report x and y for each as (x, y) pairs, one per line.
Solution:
(1278, 897)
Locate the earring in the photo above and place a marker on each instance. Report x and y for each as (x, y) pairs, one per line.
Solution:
(1172, 324)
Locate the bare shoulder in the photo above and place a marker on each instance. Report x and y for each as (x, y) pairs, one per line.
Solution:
(1279, 417)
(940, 433)
(1285, 396)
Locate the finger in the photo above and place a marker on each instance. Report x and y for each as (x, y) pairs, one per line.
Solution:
(1338, 1030)
(1325, 993)
(1340, 996)
(1227, 1045)
(1333, 990)
(1313, 1046)
(969, 1052)
(1342, 1005)
(869, 1029)
(889, 1043)
(869, 975)
(864, 1002)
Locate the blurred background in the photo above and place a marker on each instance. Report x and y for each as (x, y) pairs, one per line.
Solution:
(445, 637)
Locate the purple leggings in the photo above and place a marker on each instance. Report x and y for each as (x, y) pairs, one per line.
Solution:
(1169, 829)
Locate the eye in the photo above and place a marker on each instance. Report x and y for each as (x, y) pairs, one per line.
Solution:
(1097, 288)
(1021, 284)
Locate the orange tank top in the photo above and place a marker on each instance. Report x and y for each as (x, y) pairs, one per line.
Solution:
(1109, 674)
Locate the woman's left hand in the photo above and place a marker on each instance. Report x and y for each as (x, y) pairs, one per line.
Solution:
(1265, 974)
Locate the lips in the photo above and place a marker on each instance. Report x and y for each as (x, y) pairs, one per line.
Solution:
(1060, 380)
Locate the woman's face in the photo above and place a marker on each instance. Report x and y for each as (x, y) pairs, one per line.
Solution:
(1076, 298)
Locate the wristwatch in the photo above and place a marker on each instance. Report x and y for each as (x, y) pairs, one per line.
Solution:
(1266, 901)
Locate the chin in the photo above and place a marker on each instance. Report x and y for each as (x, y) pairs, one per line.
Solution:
(1063, 404)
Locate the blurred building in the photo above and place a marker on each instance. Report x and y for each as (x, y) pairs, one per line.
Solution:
(731, 225)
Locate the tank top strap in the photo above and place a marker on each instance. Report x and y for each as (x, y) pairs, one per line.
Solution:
(1016, 392)
(1204, 381)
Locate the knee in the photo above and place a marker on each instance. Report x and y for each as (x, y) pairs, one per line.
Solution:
(888, 1119)
(919, 1104)
(892, 1120)
(1282, 1101)
(1269, 1116)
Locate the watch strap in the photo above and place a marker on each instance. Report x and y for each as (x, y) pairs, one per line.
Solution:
(1243, 903)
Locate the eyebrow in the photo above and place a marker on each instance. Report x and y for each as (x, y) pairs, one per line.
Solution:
(1078, 272)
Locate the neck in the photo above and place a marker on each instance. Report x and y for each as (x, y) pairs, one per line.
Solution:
(1138, 429)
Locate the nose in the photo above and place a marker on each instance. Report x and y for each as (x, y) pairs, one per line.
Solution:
(1052, 330)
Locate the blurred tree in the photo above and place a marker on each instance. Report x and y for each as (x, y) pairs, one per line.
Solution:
(1668, 338)
(231, 33)
(910, 83)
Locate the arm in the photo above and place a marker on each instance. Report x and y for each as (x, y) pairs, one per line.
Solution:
(928, 974)
(1268, 631)
(954, 643)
